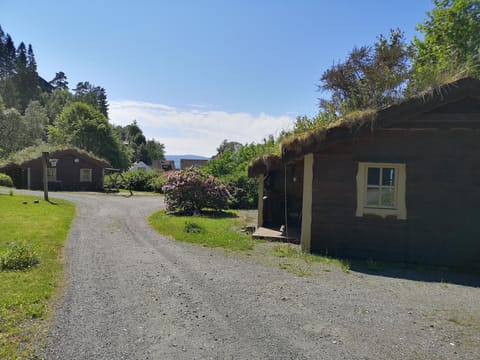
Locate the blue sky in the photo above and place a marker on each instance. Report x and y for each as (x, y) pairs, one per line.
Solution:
(193, 73)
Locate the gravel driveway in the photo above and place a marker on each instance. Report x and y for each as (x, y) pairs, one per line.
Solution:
(133, 294)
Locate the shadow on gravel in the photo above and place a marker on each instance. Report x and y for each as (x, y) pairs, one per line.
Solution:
(417, 272)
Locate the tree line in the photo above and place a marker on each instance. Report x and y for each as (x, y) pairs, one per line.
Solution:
(34, 111)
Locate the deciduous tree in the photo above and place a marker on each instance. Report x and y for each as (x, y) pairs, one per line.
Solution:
(450, 44)
(36, 120)
(371, 77)
(12, 132)
(84, 126)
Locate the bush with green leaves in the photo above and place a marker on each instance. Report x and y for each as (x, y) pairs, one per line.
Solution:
(139, 180)
(156, 184)
(5, 180)
(230, 165)
(191, 190)
(244, 191)
(19, 256)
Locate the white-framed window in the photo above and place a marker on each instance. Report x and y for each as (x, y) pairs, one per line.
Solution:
(85, 175)
(51, 174)
(381, 189)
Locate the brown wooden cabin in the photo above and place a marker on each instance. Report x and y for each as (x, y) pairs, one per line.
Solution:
(399, 184)
(68, 169)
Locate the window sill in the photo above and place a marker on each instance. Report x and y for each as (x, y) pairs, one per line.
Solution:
(382, 212)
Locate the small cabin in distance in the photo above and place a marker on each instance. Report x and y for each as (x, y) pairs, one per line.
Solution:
(69, 168)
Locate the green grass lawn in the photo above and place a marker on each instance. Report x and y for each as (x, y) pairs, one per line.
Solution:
(208, 230)
(25, 294)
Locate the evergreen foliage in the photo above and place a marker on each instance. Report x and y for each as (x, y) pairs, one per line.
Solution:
(18, 73)
(92, 95)
(140, 149)
(59, 82)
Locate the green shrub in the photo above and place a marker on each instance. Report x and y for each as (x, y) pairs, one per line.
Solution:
(244, 192)
(139, 180)
(5, 180)
(19, 256)
(156, 183)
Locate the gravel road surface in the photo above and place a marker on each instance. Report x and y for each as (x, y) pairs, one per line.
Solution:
(134, 294)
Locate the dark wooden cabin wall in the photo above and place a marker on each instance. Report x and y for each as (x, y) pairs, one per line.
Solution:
(442, 196)
(68, 172)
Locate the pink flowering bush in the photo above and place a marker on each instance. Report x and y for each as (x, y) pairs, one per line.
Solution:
(191, 190)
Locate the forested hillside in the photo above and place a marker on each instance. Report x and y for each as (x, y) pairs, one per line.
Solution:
(34, 111)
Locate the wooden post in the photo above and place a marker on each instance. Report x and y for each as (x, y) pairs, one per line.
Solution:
(45, 175)
(307, 203)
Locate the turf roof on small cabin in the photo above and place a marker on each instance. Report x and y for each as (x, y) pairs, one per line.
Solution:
(35, 152)
(359, 122)
(355, 123)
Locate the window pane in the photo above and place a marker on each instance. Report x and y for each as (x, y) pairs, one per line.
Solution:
(373, 176)
(388, 176)
(388, 197)
(373, 196)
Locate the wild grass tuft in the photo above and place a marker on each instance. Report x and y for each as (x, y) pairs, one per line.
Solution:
(191, 227)
(289, 251)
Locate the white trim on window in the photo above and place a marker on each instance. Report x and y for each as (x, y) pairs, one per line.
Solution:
(85, 175)
(51, 174)
(381, 189)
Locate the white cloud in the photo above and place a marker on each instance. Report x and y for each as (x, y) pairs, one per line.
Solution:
(198, 130)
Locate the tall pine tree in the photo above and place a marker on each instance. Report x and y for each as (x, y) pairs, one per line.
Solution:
(26, 77)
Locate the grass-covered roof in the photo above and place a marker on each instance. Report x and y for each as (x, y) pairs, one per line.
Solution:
(357, 122)
(297, 145)
(35, 152)
(263, 164)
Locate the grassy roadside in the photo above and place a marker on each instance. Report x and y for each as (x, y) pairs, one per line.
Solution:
(301, 264)
(221, 230)
(25, 294)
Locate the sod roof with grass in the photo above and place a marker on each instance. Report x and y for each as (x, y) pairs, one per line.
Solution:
(296, 146)
(358, 122)
(35, 152)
